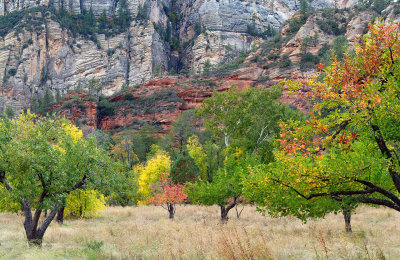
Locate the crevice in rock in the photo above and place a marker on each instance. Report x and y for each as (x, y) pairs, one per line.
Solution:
(81, 6)
(128, 56)
(114, 6)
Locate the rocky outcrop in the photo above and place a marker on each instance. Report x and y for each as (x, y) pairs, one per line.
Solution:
(50, 56)
(226, 26)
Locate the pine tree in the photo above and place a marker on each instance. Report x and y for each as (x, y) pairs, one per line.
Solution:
(46, 102)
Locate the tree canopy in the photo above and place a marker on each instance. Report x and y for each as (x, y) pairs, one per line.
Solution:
(42, 160)
(346, 154)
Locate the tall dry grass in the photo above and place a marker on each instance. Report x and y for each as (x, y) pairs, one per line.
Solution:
(145, 232)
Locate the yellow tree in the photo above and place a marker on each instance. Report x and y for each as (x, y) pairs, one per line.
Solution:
(196, 151)
(150, 172)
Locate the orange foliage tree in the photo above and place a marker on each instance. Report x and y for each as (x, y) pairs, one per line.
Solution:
(347, 153)
(167, 194)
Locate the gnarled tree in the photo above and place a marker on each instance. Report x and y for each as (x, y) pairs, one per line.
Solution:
(346, 154)
(41, 161)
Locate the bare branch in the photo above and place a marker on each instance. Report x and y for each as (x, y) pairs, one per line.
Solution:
(381, 190)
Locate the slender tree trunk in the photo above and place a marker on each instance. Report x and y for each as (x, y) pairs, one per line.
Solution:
(171, 210)
(60, 215)
(238, 212)
(347, 220)
(224, 214)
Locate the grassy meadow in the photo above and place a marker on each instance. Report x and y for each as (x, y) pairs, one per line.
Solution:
(145, 232)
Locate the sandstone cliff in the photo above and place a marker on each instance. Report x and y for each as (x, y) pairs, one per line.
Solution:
(40, 52)
(132, 63)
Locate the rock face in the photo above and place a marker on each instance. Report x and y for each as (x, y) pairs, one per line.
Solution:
(175, 35)
(52, 58)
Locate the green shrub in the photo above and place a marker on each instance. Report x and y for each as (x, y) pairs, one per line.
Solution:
(12, 72)
(129, 96)
(252, 30)
(68, 104)
(110, 52)
(197, 28)
(263, 79)
(285, 62)
(273, 56)
(142, 13)
(308, 60)
(295, 23)
(9, 21)
(81, 106)
(105, 108)
(329, 23)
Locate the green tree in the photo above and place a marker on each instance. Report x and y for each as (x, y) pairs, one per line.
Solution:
(9, 113)
(184, 127)
(345, 154)
(42, 161)
(102, 21)
(58, 96)
(184, 169)
(207, 67)
(196, 151)
(123, 151)
(46, 101)
(143, 140)
(35, 104)
(380, 5)
(226, 186)
(248, 119)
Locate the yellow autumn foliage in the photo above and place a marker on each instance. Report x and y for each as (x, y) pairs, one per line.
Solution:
(150, 172)
(85, 203)
(196, 151)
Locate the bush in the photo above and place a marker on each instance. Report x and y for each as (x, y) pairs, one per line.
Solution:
(197, 28)
(207, 82)
(296, 23)
(142, 13)
(9, 21)
(329, 24)
(252, 30)
(105, 108)
(263, 79)
(12, 72)
(129, 96)
(225, 68)
(323, 50)
(110, 52)
(85, 203)
(273, 56)
(285, 62)
(68, 104)
(308, 60)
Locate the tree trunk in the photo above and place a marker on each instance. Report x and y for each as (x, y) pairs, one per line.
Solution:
(34, 233)
(171, 210)
(224, 214)
(225, 211)
(347, 220)
(60, 216)
(238, 212)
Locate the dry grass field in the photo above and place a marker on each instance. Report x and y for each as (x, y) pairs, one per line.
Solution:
(145, 232)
